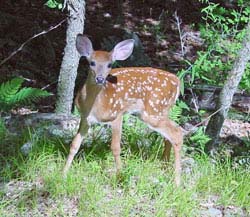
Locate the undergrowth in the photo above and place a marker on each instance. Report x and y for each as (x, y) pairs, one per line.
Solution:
(144, 188)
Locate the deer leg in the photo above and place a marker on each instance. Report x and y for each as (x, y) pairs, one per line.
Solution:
(167, 150)
(116, 142)
(75, 145)
(173, 133)
(177, 155)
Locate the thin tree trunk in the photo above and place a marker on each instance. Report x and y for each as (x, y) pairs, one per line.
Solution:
(68, 71)
(225, 99)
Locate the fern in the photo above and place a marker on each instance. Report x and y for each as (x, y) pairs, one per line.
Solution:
(176, 111)
(8, 89)
(12, 94)
(200, 138)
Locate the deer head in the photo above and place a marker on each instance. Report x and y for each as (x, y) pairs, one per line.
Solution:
(101, 61)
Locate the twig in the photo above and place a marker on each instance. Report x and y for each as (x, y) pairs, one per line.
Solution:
(48, 85)
(27, 41)
(200, 123)
(181, 36)
(195, 101)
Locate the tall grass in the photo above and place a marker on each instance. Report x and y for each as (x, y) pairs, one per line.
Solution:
(144, 188)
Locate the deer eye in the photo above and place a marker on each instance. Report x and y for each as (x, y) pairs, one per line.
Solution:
(109, 65)
(92, 63)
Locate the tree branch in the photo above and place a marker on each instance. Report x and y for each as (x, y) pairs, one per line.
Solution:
(30, 39)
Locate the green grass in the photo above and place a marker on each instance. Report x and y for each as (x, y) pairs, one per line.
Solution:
(145, 187)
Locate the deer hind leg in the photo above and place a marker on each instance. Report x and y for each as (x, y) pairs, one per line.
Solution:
(75, 145)
(167, 150)
(173, 135)
(116, 126)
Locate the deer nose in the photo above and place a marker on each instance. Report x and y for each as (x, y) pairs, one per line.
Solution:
(100, 80)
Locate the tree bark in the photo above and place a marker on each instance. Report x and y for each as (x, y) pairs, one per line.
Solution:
(226, 95)
(68, 71)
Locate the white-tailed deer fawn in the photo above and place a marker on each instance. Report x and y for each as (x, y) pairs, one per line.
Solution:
(109, 93)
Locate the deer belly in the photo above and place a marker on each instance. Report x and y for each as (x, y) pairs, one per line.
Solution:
(91, 119)
(99, 116)
(114, 109)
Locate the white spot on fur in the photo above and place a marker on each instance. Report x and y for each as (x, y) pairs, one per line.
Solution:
(174, 83)
(164, 84)
(151, 103)
(126, 95)
(149, 88)
(155, 109)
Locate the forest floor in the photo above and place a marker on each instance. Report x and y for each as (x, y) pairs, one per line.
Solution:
(34, 185)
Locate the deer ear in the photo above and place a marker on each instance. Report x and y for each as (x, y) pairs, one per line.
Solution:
(84, 45)
(123, 50)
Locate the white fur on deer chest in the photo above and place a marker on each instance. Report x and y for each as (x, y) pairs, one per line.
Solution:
(98, 114)
(91, 119)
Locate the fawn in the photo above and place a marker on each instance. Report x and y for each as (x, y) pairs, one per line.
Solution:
(109, 93)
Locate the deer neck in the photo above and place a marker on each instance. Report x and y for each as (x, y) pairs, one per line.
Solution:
(91, 91)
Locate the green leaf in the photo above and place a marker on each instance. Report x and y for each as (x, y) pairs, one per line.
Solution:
(51, 4)
(60, 6)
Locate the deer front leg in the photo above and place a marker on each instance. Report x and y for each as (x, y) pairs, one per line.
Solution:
(75, 145)
(116, 140)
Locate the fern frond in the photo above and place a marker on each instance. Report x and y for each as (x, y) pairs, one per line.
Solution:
(9, 89)
(12, 95)
(27, 95)
(175, 113)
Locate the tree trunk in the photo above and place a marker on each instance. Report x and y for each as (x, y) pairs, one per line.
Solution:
(68, 71)
(225, 99)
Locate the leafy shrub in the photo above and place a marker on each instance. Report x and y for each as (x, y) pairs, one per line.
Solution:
(222, 31)
(199, 138)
